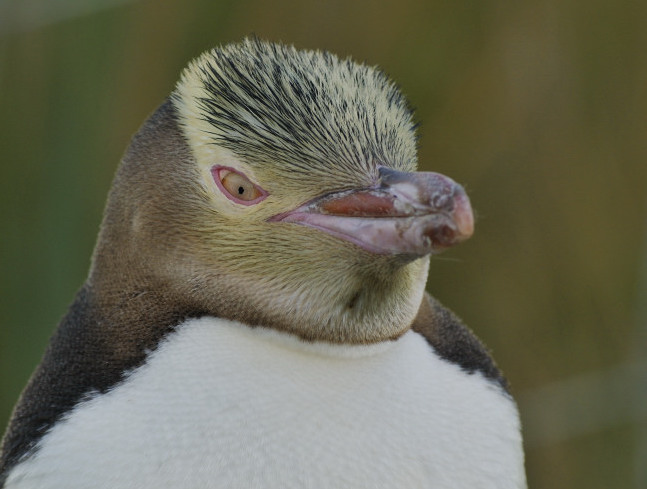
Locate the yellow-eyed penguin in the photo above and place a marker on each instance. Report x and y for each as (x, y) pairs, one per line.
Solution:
(255, 314)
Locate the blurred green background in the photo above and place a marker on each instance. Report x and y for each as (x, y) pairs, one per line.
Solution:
(538, 107)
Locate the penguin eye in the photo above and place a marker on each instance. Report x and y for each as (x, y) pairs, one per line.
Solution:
(236, 186)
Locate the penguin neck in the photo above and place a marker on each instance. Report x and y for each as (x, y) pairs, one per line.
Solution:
(376, 302)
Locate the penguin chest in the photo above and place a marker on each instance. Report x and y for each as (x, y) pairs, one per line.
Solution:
(221, 405)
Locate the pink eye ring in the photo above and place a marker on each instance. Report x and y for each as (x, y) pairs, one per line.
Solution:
(236, 186)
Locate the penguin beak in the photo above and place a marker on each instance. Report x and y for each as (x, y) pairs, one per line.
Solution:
(412, 214)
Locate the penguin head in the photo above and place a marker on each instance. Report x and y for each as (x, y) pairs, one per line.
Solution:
(277, 187)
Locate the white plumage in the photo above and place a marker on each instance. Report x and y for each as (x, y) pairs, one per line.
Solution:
(252, 408)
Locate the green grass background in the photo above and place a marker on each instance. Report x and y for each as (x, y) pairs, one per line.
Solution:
(538, 107)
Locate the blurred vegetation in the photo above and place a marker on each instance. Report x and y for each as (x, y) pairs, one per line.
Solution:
(539, 108)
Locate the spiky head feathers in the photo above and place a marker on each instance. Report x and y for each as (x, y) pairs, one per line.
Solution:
(301, 111)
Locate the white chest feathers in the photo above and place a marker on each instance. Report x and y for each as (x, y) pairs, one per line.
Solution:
(221, 405)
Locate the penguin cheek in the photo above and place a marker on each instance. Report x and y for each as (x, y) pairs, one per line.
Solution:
(236, 186)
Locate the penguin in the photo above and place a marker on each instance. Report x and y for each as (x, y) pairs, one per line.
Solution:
(255, 313)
